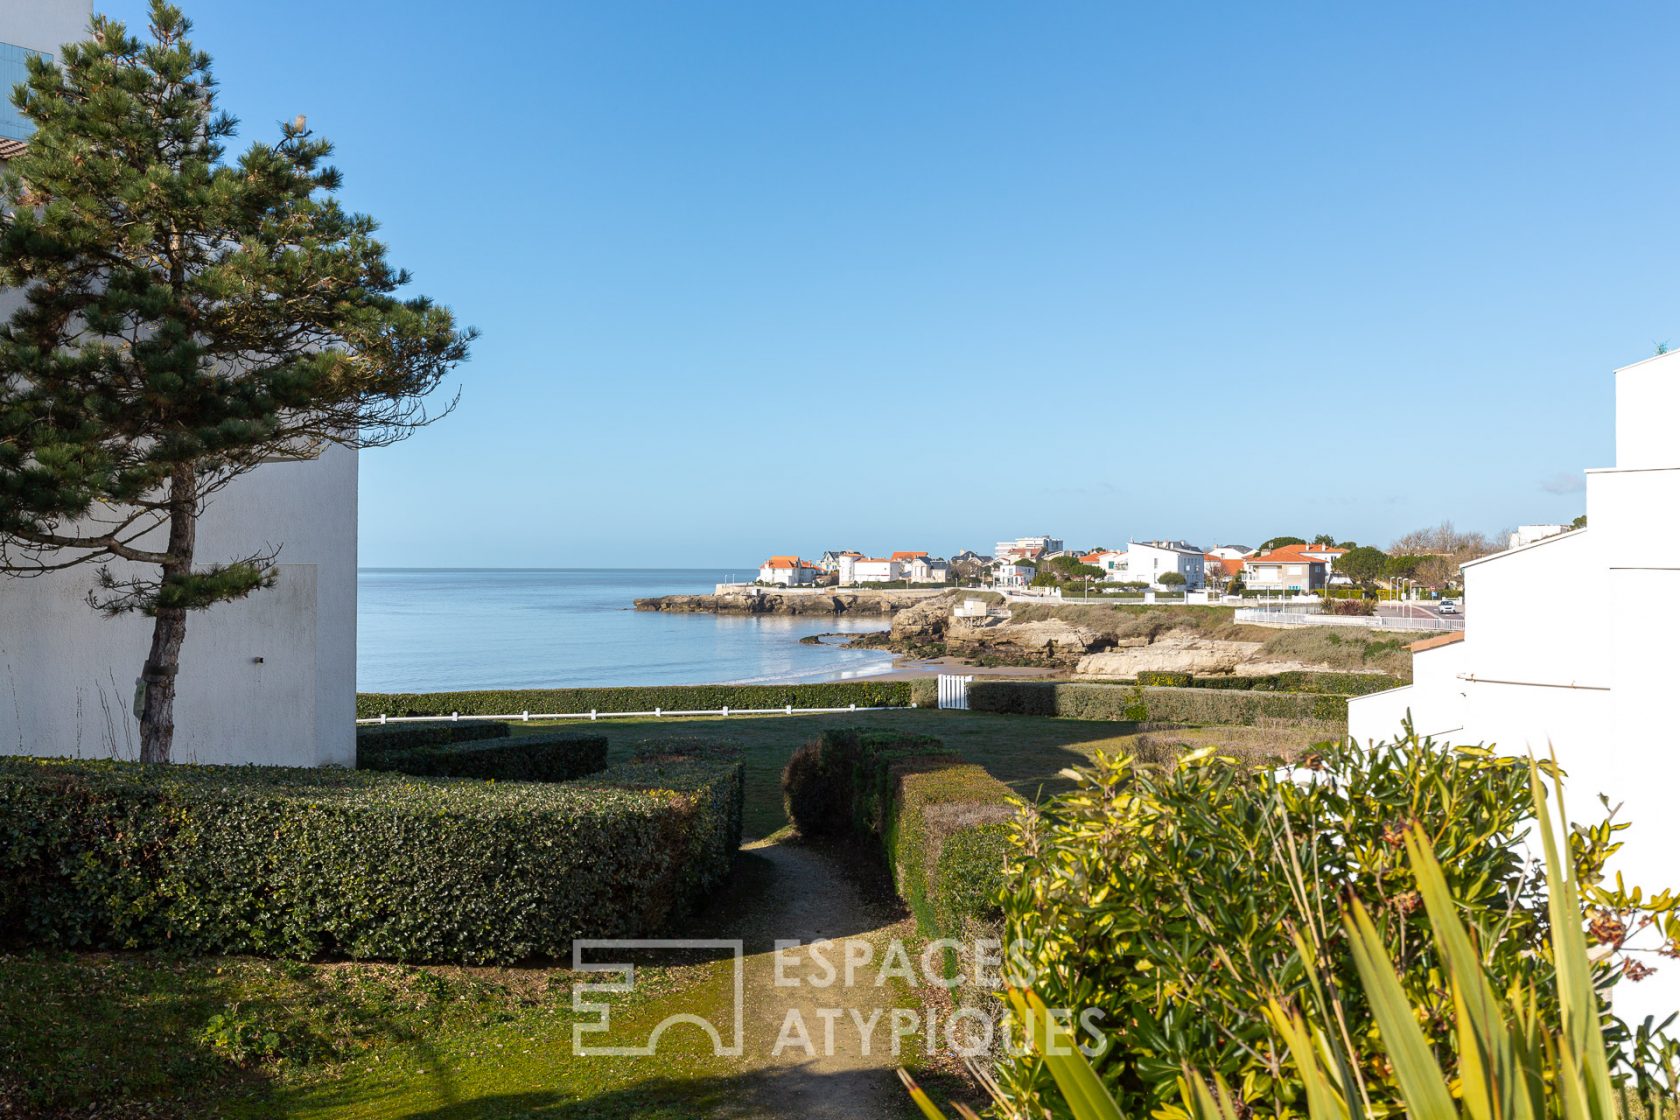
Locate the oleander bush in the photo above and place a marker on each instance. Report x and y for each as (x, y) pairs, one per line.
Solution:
(938, 821)
(333, 863)
(540, 757)
(401, 736)
(1178, 900)
(671, 698)
(1140, 704)
(1528, 1051)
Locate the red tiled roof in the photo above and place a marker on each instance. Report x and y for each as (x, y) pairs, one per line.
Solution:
(11, 149)
(1299, 552)
(907, 555)
(1279, 556)
(782, 562)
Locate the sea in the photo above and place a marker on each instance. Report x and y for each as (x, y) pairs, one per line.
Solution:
(437, 629)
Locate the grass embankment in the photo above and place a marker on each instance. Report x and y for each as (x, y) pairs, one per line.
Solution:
(1025, 753)
(147, 1035)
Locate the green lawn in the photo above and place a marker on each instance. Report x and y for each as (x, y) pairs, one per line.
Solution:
(1025, 752)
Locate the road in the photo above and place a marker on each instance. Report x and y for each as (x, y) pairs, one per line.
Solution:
(1420, 610)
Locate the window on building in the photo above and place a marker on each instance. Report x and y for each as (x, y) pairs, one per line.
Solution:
(14, 69)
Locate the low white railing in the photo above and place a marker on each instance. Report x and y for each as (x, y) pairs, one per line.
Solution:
(953, 691)
(657, 713)
(1261, 617)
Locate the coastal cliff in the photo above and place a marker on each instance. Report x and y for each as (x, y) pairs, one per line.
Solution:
(761, 601)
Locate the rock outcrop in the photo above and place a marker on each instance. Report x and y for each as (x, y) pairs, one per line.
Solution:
(883, 603)
(1174, 653)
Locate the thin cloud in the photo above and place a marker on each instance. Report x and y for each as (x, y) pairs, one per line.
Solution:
(1564, 483)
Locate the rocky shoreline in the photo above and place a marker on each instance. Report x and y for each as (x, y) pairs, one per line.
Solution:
(1096, 642)
(759, 601)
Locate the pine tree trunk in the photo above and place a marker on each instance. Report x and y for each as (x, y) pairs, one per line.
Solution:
(169, 626)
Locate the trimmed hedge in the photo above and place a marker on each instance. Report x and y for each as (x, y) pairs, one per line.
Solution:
(1140, 704)
(402, 736)
(924, 692)
(941, 823)
(676, 698)
(1293, 680)
(335, 863)
(556, 757)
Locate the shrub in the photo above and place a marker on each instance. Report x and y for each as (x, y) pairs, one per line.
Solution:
(1360, 607)
(937, 820)
(1299, 680)
(522, 758)
(1165, 679)
(673, 698)
(924, 692)
(307, 863)
(1153, 705)
(401, 736)
(1179, 900)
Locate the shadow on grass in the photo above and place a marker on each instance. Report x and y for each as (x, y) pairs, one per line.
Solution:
(787, 1091)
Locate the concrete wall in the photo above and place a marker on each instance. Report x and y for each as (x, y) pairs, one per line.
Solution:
(67, 674)
(43, 25)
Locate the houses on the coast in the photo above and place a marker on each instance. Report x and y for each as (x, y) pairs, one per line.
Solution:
(1164, 564)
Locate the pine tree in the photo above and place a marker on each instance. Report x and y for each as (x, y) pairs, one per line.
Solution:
(185, 318)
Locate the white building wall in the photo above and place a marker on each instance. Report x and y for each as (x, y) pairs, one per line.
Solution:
(1570, 650)
(44, 25)
(67, 673)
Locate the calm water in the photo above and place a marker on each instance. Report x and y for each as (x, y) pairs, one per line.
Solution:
(433, 629)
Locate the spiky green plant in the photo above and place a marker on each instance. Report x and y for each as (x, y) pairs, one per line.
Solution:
(1513, 1064)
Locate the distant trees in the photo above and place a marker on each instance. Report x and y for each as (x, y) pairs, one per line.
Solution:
(1439, 551)
(1279, 542)
(1579, 523)
(1071, 567)
(1171, 579)
(1325, 539)
(1364, 565)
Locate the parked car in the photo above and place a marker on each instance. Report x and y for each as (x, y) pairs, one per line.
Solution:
(1448, 606)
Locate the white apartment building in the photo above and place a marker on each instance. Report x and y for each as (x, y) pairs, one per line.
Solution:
(1148, 561)
(1593, 682)
(268, 680)
(1027, 548)
(1529, 534)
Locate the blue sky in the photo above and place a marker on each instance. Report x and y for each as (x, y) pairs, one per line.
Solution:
(760, 277)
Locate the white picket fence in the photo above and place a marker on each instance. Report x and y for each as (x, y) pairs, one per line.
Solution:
(657, 713)
(953, 691)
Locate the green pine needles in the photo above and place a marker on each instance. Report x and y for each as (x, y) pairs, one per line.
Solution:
(185, 319)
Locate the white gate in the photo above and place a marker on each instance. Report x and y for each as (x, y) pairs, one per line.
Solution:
(953, 691)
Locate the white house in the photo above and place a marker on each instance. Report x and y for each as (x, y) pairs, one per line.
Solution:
(929, 569)
(270, 679)
(1595, 682)
(875, 569)
(1148, 561)
(1007, 573)
(788, 571)
(1231, 551)
(1111, 561)
(1289, 568)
